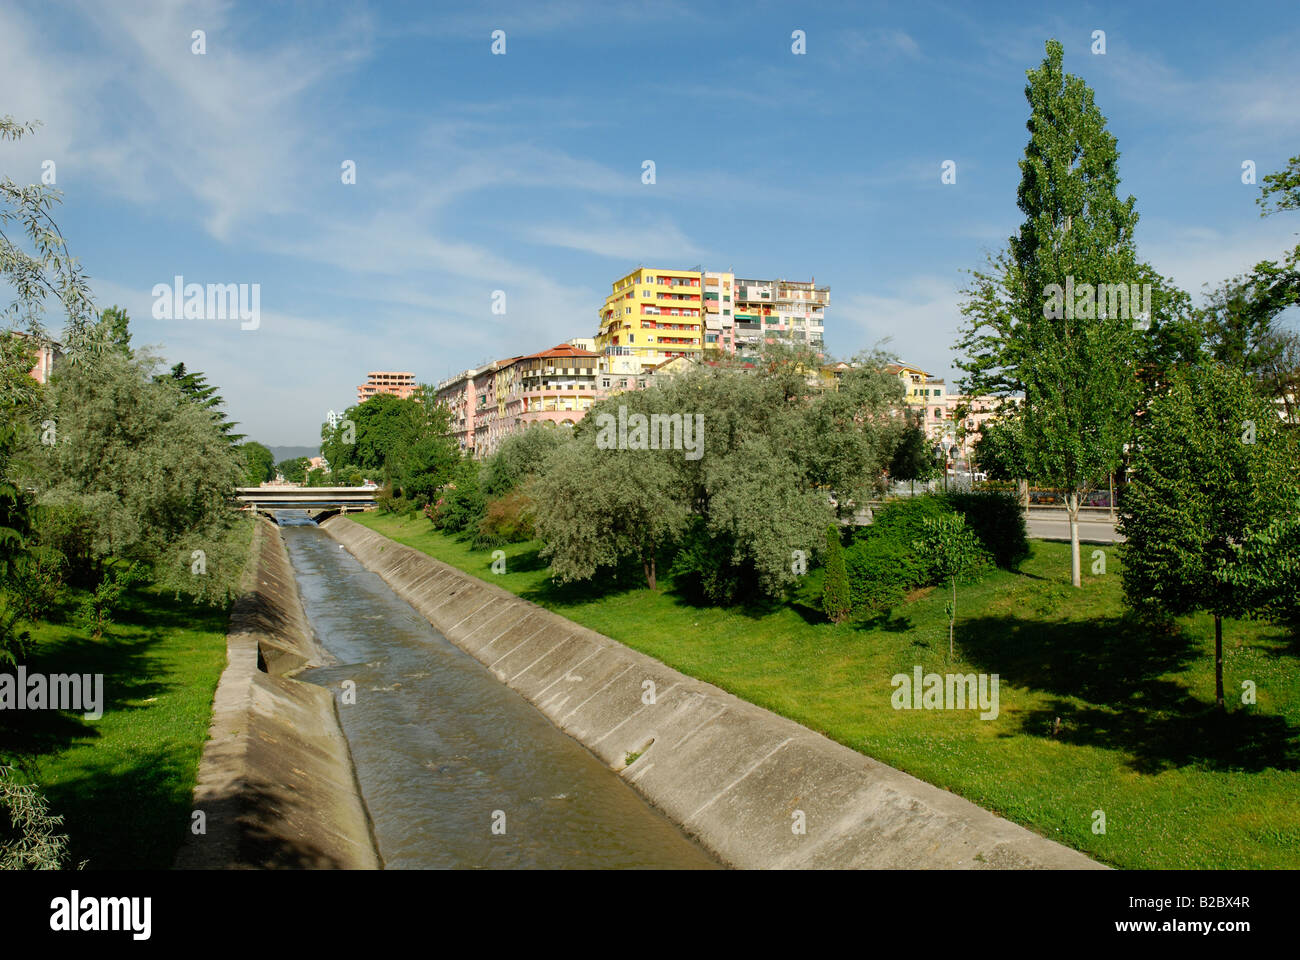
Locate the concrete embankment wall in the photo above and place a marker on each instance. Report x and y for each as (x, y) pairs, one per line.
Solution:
(733, 775)
(276, 782)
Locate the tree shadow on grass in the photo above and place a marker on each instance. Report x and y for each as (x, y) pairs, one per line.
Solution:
(124, 664)
(1118, 668)
(885, 620)
(606, 583)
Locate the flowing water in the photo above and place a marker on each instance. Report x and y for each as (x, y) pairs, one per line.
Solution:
(444, 752)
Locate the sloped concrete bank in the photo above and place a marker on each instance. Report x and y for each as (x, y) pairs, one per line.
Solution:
(739, 778)
(276, 783)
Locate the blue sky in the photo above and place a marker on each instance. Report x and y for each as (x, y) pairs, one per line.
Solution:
(522, 172)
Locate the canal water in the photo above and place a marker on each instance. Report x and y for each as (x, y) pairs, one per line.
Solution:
(445, 753)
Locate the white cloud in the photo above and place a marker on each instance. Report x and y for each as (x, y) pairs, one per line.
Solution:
(919, 319)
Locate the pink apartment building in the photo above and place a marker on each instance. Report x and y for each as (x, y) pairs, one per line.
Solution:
(387, 381)
(552, 388)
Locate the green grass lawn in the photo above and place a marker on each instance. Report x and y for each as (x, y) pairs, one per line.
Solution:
(1179, 785)
(124, 783)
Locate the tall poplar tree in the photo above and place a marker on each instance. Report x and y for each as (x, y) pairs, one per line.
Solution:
(1037, 321)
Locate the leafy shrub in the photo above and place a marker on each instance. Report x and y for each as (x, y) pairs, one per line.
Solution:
(95, 611)
(835, 589)
(880, 571)
(461, 504)
(704, 569)
(998, 522)
(37, 583)
(70, 531)
(507, 519)
(398, 503)
(883, 562)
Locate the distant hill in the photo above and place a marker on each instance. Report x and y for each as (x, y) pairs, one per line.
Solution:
(288, 453)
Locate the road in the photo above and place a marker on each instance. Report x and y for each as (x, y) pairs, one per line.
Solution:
(1058, 528)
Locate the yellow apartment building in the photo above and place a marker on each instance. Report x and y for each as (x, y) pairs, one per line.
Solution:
(653, 314)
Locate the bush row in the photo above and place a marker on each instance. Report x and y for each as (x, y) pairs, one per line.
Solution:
(883, 562)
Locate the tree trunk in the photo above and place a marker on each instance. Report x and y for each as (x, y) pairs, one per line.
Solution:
(1218, 662)
(952, 617)
(649, 566)
(1072, 505)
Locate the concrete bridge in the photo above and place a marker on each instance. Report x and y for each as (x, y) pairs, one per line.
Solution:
(291, 497)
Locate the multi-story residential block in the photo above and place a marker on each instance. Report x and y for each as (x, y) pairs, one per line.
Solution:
(652, 315)
(719, 311)
(779, 311)
(457, 395)
(554, 387)
(385, 381)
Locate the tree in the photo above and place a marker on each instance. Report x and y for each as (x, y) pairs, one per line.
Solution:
(386, 425)
(196, 388)
(259, 463)
(424, 467)
(756, 484)
(44, 268)
(519, 456)
(1266, 568)
(294, 470)
(137, 474)
(461, 504)
(849, 434)
(28, 840)
(598, 507)
(1074, 361)
(1281, 190)
(912, 460)
(117, 324)
(999, 451)
(836, 601)
(738, 497)
(1210, 479)
(957, 555)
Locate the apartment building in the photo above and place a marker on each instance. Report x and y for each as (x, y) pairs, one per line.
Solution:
(456, 393)
(719, 311)
(552, 388)
(653, 314)
(779, 311)
(386, 381)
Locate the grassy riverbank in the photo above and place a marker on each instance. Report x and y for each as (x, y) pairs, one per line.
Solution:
(1180, 787)
(124, 782)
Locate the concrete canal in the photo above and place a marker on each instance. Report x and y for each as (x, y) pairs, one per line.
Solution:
(456, 769)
